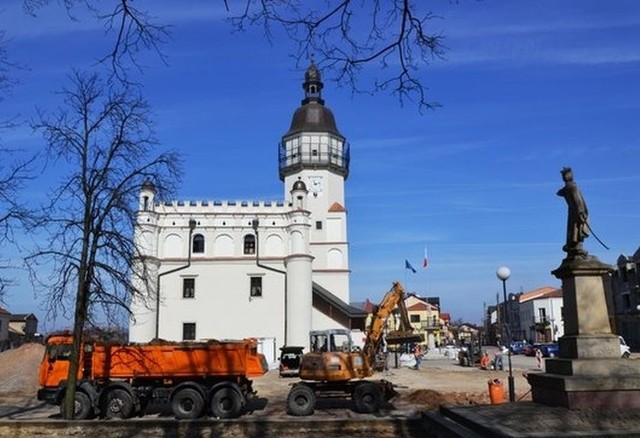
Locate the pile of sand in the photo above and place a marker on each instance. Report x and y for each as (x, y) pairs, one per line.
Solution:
(19, 369)
(428, 399)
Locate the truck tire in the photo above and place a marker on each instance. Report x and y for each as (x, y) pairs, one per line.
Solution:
(118, 404)
(301, 401)
(626, 355)
(81, 408)
(226, 403)
(187, 404)
(367, 397)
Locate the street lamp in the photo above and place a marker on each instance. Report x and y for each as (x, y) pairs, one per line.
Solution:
(503, 274)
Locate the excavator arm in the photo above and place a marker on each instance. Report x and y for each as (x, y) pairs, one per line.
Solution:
(394, 297)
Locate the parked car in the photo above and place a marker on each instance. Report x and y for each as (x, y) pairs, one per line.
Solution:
(549, 350)
(625, 351)
(530, 350)
(290, 361)
(517, 347)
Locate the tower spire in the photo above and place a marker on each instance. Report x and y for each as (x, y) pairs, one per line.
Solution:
(312, 85)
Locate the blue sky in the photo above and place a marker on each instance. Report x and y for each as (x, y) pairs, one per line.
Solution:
(526, 88)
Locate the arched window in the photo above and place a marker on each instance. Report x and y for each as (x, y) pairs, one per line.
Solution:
(249, 244)
(198, 243)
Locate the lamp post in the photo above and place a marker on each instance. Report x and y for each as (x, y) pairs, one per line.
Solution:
(503, 274)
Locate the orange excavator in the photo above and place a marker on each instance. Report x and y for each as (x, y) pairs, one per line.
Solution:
(332, 369)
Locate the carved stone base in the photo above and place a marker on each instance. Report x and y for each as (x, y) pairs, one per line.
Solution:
(586, 392)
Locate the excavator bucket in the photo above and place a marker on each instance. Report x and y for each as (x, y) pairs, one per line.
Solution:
(403, 337)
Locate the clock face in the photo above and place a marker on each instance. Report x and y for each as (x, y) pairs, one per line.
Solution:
(316, 185)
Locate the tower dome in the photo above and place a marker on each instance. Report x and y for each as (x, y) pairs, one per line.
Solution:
(313, 139)
(312, 115)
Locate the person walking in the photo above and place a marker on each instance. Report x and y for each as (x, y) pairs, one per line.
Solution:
(417, 354)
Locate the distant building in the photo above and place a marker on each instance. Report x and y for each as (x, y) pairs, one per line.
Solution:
(23, 327)
(624, 299)
(540, 313)
(425, 319)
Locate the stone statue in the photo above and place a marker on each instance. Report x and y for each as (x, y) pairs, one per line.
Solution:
(578, 215)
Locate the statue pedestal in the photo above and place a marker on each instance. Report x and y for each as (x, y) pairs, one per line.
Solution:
(589, 372)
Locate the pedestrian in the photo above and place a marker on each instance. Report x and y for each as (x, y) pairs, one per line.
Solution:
(484, 361)
(417, 354)
(498, 359)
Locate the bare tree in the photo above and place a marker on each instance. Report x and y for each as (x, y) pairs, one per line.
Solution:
(13, 173)
(389, 41)
(104, 138)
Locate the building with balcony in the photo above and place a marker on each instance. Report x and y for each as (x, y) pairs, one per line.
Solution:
(540, 314)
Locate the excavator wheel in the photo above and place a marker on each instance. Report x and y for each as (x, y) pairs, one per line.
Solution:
(301, 401)
(367, 397)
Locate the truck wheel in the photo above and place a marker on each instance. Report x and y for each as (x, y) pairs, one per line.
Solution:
(81, 406)
(226, 403)
(118, 404)
(187, 404)
(626, 355)
(301, 401)
(367, 397)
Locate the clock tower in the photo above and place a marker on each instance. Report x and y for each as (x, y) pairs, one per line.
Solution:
(314, 151)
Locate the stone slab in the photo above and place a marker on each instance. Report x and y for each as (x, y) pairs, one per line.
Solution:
(589, 346)
(592, 367)
(579, 392)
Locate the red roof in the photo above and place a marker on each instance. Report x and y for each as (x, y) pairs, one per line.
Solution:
(418, 306)
(336, 207)
(445, 316)
(542, 292)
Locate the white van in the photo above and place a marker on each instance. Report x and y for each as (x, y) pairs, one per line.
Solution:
(625, 351)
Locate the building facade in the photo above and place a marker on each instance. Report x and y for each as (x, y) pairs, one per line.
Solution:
(624, 307)
(541, 315)
(273, 270)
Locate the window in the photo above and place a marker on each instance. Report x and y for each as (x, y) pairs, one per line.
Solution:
(188, 288)
(542, 313)
(414, 318)
(198, 243)
(145, 201)
(318, 225)
(189, 331)
(255, 289)
(626, 300)
(249, 244)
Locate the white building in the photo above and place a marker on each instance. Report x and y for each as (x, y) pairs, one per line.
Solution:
(541, 314)
(264, 269)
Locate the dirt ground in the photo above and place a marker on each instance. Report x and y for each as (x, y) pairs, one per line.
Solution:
(439, 381)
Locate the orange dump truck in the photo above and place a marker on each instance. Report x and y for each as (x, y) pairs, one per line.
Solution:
(119, 381)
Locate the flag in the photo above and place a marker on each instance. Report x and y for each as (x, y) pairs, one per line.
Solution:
(425, 261)
(407, 265)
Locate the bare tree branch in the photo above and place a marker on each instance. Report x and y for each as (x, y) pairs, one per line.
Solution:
(344, 36)
(134, 31)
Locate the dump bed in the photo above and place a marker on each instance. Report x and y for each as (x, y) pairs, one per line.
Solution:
(158, 360)
(232, 358)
